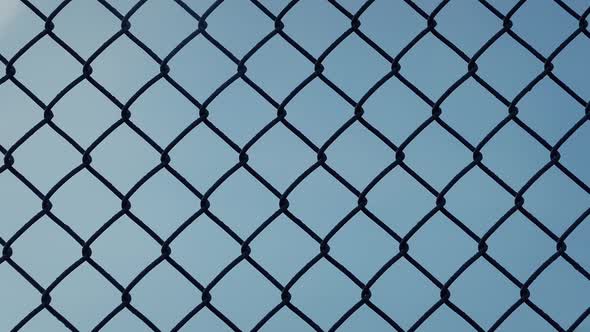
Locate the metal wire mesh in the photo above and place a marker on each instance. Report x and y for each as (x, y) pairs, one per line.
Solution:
(323, 162)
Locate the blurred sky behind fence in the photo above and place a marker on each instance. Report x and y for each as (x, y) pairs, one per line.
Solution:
(46, 221)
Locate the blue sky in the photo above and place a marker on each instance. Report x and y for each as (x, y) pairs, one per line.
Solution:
(241, 202)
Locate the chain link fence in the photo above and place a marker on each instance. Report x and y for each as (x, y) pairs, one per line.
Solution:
(321, 243)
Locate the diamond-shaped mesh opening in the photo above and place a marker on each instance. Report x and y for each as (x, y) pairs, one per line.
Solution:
(434, 145)
(572, 290)
(233, 300)
(468, 25)
(81, 288)
(550, 118)
(322, 300)
(122, 68)
(529, 24)
(483, 304)
(432, 74)
(419, 295)
(163, 113)
(60, 252)
(202, 173)
(521, 67)
(479, 212)
(250, 27)
(280, 157)
(204, 249)
(396, 111)
(442, 257)
(162, 25)
(310, 16)
(321, 218)
(46, 69)
(205, 77)
(124, 250)
(518, 257)
(294, 165)
(283, 239)
(240, 112)
(278, 68)
(164, 203)
(472, 111)
(378, 246)
(75, 204)
(49, 149)
(504, 155)
(541, 200)
(359, 156)
(252, 203)
(377, 26)
(96, 25)
(85, 126)
(136, 156)
(317, 111)
(152, 296)
(355, 67)
(400, 201)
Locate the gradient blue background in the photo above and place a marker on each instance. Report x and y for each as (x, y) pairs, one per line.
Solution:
(203, 249)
